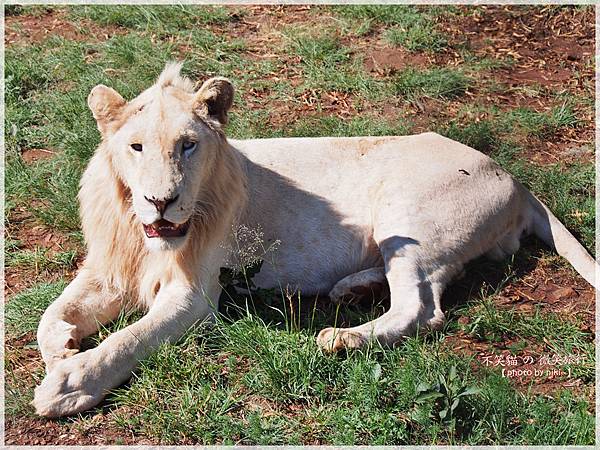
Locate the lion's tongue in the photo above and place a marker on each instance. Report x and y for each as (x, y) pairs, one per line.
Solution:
(164, 228)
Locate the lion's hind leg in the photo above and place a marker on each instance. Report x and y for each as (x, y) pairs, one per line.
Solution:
(369, 282)
(415, 301)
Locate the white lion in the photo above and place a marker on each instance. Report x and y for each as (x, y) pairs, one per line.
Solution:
(164, 188)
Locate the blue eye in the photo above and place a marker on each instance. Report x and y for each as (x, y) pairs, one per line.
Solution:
(188, 146)
(137, 147)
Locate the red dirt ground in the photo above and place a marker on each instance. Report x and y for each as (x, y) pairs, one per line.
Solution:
(32, 235)
(551, 49)
(23, 29)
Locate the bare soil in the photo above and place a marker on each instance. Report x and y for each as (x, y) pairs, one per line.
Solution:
(548, 45)
(31, 29)
(33, 155)
(39, 431)
(387, 61)
(552, 52)
(32, 235)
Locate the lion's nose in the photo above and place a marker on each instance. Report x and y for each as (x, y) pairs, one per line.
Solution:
(161, 205)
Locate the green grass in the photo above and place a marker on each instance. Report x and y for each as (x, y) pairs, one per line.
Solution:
(245, 381)
(478, 63)
(489, 324)
(33, 10)
(326, 64)
(258, 377)
(415, 38)
(412, 27)
(357, 126)
(22, 313)
(440, 83)
(479, 135)
(157, 19)
(385, 15)
(319, 50)
(39, 259)
(238, 383)
(541, 125)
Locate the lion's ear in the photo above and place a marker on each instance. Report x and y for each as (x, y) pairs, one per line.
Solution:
(106, 105)
(214, 98)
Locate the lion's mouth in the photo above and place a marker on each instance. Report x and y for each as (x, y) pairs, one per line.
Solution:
(165, 229)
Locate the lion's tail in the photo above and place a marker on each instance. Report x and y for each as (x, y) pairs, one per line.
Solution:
(550, 230)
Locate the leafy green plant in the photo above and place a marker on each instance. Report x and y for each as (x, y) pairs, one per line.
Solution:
(446, 392)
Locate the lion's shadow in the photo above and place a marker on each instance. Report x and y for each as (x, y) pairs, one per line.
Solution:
(313, 313)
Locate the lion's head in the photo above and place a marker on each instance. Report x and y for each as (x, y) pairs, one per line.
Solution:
(163, 145)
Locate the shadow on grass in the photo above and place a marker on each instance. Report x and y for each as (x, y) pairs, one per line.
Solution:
(483, 274)
(293, 312)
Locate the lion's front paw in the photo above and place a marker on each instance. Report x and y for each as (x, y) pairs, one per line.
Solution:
(71, 387)
(335, 339)
(58, 341)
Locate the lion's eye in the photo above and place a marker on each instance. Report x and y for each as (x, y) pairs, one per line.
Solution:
(136, 147)
(188, 147)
